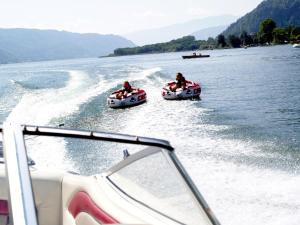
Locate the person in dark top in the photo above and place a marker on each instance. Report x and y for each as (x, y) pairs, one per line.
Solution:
(125, 91)
(180, 82)
(127, 87)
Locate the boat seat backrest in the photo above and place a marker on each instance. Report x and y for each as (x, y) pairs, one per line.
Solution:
(47, 194)
(4, 209)
(82, 202)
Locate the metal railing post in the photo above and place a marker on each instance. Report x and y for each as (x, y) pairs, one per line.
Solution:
(17, 171)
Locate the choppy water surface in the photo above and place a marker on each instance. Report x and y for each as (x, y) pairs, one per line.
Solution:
(240, 143)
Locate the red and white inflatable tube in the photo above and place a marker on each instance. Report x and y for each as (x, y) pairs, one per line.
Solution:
(192, 90)
(136, 97)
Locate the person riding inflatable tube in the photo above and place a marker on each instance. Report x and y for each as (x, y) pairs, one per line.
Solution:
(181, 89)
(126, 97)
(192, 90)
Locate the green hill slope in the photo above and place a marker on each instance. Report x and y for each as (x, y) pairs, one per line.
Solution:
(283, 12)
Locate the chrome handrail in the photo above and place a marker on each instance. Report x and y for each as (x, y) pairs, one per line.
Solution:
(17, 171)
(95, 135)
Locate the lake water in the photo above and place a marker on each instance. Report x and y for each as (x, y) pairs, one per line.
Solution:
(240, 143)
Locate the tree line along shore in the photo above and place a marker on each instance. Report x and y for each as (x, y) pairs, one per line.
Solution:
(268, 34)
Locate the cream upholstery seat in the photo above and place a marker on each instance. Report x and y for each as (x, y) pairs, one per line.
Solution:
(47, 194)
(53, 192)
(47, 189)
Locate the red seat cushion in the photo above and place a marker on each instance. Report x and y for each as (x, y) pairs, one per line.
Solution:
(82, 202)
(4, 208)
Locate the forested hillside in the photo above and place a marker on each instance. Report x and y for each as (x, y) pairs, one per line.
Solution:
(284, 12)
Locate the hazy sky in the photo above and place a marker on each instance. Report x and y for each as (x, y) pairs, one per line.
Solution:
(113, 16)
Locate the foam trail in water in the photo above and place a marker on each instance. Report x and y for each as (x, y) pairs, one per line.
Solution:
(41, 106)
(49, 152)
(212, 161)
(240, 166)
(253, 195)
(13, 81)
(143, 74)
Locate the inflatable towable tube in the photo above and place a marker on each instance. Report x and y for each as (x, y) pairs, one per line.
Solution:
(136, 97)
(192, 90)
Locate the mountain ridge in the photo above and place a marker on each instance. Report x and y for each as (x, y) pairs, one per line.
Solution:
(283, 12)
(167, 33)
(22, 44)
(206, 33)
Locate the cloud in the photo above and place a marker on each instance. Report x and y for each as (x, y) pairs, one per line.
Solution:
(200, 12)
(150, 13)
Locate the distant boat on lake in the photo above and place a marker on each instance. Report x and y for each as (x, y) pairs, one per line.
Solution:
(194, 55)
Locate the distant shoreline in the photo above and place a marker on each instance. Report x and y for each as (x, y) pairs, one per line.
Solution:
(187, 43)
(108, 56)
(198, 50)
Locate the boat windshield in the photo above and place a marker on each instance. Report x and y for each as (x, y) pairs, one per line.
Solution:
(151, 179)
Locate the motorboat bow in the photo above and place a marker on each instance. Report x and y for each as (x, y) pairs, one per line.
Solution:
(193, 56)
(147, 187)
